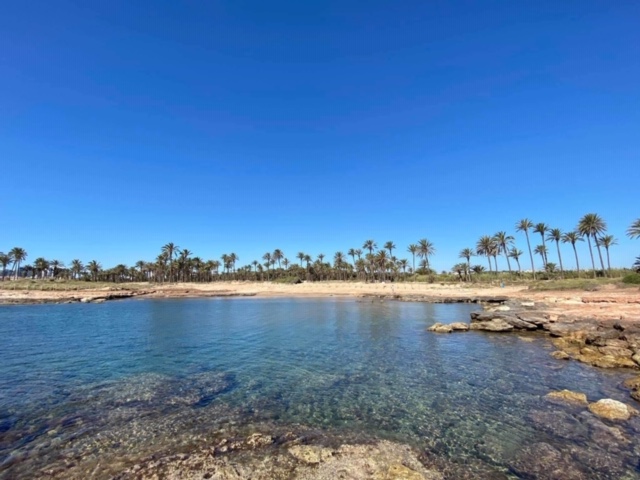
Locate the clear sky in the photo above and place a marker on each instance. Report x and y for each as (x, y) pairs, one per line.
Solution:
(245, 126)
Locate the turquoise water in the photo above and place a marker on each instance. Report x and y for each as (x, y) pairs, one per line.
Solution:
(84, 384)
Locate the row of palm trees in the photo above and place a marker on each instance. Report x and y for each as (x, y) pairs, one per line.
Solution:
(591, 226)
(368, 263)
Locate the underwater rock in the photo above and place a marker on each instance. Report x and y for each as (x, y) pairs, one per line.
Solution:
(567, 396)
(541, 461)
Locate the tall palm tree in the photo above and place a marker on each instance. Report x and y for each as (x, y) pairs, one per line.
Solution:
(590, 226)
(300, 257)
(286, 262)
(573, 238)
(516, 254)
(267, 262)
(523, 226)
(171, 250)
(503, 241)
(390, 246)
(370, 245)
(542, 228)
(56, 265)
(555, 235)
(278, 256)
(486, 246)
(352, 254)
(18, 255)
(607, 241)
(413, 249)
(5, 260)
(425, 250)
(41, 265)
(467, 253)
(358, 253)
(634, 229)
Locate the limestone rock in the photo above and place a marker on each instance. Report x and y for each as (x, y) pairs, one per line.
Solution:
(560, 355)
(310, 454)
(460, 326)
(636, 358)
(567, 396)
(400, 472)
(632, 383)
(611, 409)
(495, 325)
(440, 328)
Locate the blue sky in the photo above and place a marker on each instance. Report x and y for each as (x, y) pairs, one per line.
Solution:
(247, 126)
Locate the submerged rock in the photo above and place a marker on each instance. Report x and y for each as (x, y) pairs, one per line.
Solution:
(560, 355)
(611, 409)
(567, 396)
(542, 461)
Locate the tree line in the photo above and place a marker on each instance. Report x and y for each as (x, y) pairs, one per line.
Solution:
(368, 263)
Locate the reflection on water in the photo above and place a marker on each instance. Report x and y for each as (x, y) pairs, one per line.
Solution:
(94, 388)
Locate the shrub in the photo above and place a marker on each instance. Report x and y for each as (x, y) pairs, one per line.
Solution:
(632, 278)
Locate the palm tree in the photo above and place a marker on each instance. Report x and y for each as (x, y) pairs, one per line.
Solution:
(542, 251)
(413, 249)
(555, 235)
(503, 241)
(352, 254)
(523, 226)
(467, 253)
(358, 253)
(370, 245)
(542, 228)
(41, 265)
(572, 238)
(170, 249)
(634, 229)
(286, 262)
(516, 254)
(76, 268)
(390, 246)
(94, 267)
(592, 225)
(300, 257)
(18, 255)
(486, 246)
(5, 260)
(267, 262)
(425, 250)
(278, 256)
(607, 241)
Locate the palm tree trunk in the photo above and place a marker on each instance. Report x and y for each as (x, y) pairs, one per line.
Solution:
(507, 257)
(533, 268)
(608, 262)
(593, 263)
(560, 258)
(600, 255)
(575, 252)
(544, 251)
(489, 260)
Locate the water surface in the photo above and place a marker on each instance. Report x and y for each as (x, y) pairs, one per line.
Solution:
(91, 384)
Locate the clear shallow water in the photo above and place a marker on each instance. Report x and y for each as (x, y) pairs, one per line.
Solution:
(83, 385)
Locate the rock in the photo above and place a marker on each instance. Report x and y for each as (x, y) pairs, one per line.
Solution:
(636, 358)
(258, 440)
(542, 461)
(99, 300)
(632, 383)
(611, 409)
(440, 328)
(495, 325)
(502, 308)
(85, 300)
(460, 326)
(400, 472)
(527, 304)
(560, 355)
(310, 454)
(567, 396)
(616, 352)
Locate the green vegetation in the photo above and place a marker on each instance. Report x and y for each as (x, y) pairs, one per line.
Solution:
(368, 263)
(632, 279)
